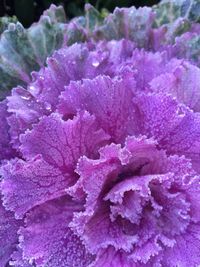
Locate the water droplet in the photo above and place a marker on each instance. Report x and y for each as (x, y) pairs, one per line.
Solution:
(25, 97)
(48, 106)
(41, 78)
(95, 63)
(34, 90)
(31, 88)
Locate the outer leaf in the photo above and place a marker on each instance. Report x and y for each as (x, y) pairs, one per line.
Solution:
(4, 22)
(174, 18)
(131, 23)
(81, 28)
(186, 46)
(169, 10)
(22, 51)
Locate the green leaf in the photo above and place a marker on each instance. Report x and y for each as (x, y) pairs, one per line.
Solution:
(131, 23)
(176, 28)
(25, 50)
(193, 48)
(188, 47)
(82, 28)
(167, 11)
(5, 21)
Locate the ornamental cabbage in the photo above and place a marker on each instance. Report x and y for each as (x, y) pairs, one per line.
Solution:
(100, 148)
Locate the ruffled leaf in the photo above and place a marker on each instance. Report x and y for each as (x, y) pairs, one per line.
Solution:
(169, 123)
(41, 180)
(110, 101)
(47, 240)
(183, 83)
(24, 110)
(112, 258)
(61, 143)
(142, 197)
(52, 149)
(182, 254)
(147, 65)
(8, 234)
(6, 151)
(17, 259)
(100, 232)
(71, 63)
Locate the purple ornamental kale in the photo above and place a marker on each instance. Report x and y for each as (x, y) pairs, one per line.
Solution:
(101, 164)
